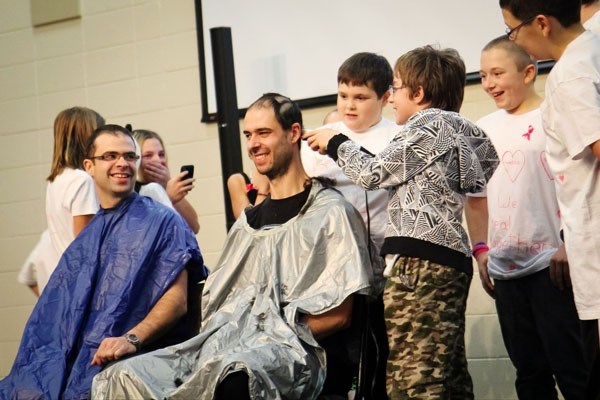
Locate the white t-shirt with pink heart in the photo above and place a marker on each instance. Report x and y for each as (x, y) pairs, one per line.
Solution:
(524, 218)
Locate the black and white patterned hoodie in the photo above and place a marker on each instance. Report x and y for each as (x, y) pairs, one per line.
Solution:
(436, 158)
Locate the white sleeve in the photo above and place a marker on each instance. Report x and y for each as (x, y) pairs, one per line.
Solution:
(35, 261)
(309, 159)
(82, 195)
(157, 192)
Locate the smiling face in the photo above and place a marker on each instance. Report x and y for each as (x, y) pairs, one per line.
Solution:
(114, 179)
(359, 106)
(502, 80)
(269, 146)
(404, 103)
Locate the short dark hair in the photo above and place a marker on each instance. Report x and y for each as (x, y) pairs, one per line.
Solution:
(368, 69)
(441, 74)
(588, 1)
(109, 128)
(287, 112)
(567, 12)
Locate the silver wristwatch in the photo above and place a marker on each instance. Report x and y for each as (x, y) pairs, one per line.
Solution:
(134, 340)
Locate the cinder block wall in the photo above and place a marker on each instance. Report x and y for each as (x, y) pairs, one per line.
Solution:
(135, 61)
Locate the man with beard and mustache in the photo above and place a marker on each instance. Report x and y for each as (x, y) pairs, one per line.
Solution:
(285, 284)
(120, 288)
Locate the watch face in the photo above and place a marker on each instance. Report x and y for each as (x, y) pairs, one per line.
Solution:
(133, 339)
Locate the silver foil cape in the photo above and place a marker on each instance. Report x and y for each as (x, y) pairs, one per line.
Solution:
(251, 305)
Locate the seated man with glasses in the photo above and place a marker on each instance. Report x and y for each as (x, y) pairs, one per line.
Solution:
(121, 287)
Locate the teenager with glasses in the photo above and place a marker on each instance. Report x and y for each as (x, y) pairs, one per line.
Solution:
(525, 268)
(571, 116)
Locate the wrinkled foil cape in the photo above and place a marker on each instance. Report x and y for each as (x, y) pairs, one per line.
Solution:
(106, 282)
(250, 308)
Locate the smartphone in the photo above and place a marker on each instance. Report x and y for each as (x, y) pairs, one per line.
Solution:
(189, 169)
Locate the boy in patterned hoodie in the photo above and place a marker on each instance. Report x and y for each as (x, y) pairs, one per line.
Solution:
(427, 169)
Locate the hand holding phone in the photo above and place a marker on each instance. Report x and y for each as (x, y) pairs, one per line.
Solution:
(189, 169)
(179, 186)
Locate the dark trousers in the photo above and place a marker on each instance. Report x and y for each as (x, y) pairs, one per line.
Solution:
(592, 352)
(542, 334)
(379, 354)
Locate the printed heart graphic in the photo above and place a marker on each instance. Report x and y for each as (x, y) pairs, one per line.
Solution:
(561, 178)
(513, 163)
(545, 166)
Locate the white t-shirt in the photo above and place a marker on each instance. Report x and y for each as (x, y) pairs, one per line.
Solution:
(524, 220)
(374, 140)
(593, 24)
(72, 193)
(157, 192)
(571, 115)
(35, 270)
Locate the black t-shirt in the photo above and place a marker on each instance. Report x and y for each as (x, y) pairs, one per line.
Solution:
(276, 212)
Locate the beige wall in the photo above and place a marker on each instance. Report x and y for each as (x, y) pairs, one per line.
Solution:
(135, 61)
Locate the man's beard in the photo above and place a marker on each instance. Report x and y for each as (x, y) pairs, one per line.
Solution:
(280, 167)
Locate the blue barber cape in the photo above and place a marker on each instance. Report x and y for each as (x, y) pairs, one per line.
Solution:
(105, 284)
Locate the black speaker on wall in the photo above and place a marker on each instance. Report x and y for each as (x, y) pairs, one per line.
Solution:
(227, 110)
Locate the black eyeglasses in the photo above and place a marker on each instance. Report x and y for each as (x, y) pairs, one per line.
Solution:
(114, 156)
(395, 88)
(511, 34)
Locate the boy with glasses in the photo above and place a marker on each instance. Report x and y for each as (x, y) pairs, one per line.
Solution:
(571, 118)
(429, 166)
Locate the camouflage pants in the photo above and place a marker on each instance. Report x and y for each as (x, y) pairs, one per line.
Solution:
(425, 316)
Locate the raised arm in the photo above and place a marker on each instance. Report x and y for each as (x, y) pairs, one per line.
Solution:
(236, 185)
(185, 209)
(167, 310)
(404, 157)
(177, 188)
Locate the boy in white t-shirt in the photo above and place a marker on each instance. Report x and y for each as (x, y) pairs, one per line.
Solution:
(364, 80)
(551, 29)
(519, 216)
